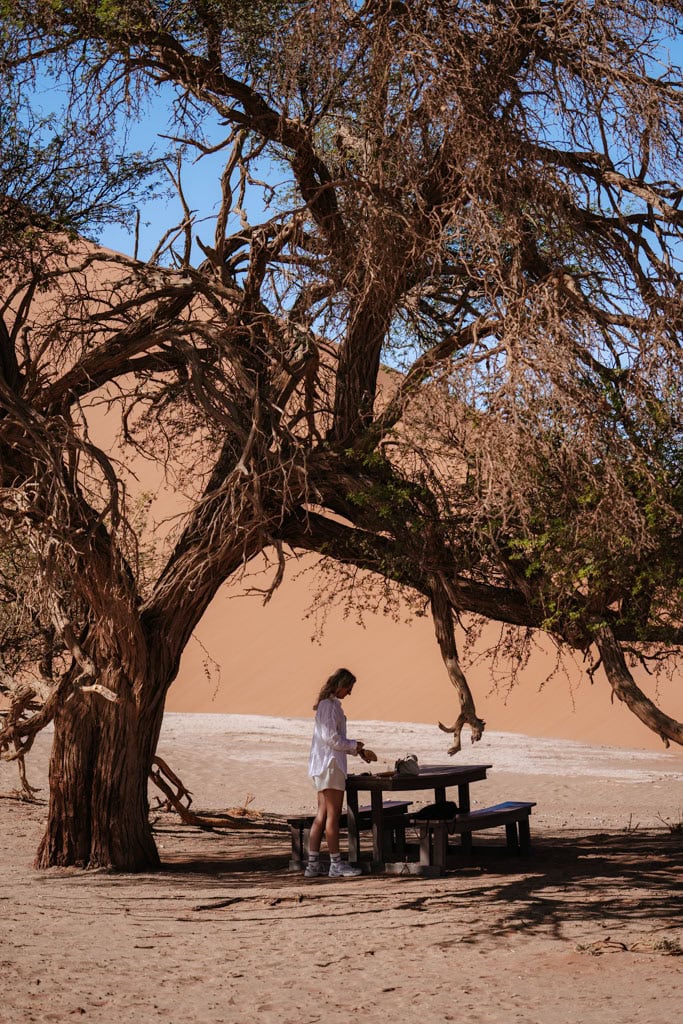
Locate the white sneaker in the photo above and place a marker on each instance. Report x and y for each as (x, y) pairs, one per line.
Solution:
(313, 869)
(341, 869)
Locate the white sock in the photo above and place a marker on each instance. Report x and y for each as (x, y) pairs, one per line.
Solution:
(335, 857)
(313, 855)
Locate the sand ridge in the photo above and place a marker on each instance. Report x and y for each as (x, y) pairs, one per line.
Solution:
(245, 657)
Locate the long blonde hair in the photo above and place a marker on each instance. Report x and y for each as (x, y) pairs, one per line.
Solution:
(339, 680)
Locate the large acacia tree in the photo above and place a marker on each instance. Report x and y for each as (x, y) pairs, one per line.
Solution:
(482, 195)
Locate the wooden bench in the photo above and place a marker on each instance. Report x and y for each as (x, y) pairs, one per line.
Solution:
(514, 814)
(395, 821)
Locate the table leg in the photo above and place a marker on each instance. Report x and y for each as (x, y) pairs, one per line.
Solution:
(440, 844)
(439, 833)
(524, 836)
(352, 824)
(377, 826)
(464, 807)
(464, 797)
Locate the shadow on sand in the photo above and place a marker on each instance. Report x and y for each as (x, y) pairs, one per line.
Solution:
(622, 877)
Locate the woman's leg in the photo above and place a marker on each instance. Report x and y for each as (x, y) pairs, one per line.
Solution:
(318, 826)
(334, 798)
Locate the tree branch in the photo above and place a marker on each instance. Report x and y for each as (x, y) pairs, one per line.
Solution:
(625, 689)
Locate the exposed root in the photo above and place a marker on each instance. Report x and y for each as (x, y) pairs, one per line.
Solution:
(181, 791)
(27, 790)
(13, 720)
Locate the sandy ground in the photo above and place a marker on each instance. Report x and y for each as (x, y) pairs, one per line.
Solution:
(589, 928)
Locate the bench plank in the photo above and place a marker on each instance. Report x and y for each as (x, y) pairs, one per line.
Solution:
(513, 814)
(489, 817)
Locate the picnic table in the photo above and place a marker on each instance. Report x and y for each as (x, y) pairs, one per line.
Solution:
(438, 778)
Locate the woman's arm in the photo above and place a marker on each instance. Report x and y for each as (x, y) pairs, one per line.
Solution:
(332, 731)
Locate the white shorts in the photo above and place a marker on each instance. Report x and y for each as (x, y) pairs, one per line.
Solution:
(332, 778)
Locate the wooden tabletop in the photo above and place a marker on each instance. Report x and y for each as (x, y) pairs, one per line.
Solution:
(430, 776)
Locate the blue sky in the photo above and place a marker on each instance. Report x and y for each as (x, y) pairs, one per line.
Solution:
(200, 177)
(201, 182)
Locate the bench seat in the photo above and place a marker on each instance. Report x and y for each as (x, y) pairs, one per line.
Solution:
(513, 814)
(300, 827)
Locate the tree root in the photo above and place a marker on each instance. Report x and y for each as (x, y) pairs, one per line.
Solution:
(22, 701)
(27, 790)
(165, 779)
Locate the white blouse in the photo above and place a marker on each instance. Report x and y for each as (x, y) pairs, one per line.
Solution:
(329, 737)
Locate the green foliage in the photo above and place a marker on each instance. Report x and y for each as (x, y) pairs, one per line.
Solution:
(598, 536)
(384, 495)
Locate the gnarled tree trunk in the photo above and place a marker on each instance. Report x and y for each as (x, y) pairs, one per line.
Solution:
(98, 814)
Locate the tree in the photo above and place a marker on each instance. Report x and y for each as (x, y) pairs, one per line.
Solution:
(483, 195)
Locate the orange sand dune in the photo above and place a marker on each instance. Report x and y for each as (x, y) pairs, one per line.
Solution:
(247, 658)
(251, 659)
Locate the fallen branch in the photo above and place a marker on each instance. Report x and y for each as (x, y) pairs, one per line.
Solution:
(164, 778)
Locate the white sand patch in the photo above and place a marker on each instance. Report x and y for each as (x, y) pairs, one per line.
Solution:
(287, 741)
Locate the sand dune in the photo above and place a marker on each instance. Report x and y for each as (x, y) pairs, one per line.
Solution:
(251, 659)
(247, 658)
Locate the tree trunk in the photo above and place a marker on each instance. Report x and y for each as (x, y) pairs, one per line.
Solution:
(99, 812)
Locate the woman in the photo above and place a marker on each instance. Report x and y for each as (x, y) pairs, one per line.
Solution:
(327, 768)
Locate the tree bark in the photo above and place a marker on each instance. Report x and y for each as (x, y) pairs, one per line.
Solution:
(98, 815)
(442, 614)
(626, 689)
(103, 750)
